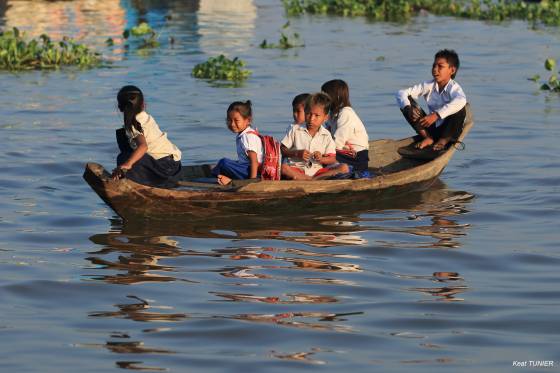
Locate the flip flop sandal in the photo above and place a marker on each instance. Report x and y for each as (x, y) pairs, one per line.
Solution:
(428, 153)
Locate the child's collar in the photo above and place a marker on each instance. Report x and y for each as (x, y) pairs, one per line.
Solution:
(445, 87)
(249, 128)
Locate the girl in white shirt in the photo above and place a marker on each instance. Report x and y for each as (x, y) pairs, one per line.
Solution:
(248, 143)
(147, 156)
(349, 133)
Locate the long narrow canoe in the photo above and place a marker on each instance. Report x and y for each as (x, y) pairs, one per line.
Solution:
(195, 200)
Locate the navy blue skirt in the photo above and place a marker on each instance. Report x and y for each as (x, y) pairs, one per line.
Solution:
(358, 163)
(163, 172)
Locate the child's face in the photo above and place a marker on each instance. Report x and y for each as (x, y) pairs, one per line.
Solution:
(236, 123)
(299, 114)
(441, 71)
(316, 116)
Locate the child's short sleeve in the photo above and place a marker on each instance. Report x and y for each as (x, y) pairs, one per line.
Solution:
(288, 140)
(252, 142)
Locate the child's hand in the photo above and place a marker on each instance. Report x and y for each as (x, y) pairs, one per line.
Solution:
(305, 155)
(317, 156)
(119, 173)
(428, 120)
(413, 113)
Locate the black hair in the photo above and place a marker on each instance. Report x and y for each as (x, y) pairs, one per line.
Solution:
(318, 99)
(451, 57)
(243, 108)
(299, 99)
(339, 94)
(131, 102)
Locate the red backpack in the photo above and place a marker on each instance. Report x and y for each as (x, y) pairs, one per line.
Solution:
(272, 157)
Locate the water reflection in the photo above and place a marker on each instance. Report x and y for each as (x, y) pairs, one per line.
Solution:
(218, 25)
(302, 356)
(135, 365)
(288, 299)
(448, 291)
(139, 312)
(226, 25)
(138, 260)
(135, 250)
(78, 19)
(324, 321)
(305, 272)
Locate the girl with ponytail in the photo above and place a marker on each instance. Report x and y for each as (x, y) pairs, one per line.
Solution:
(147, 156)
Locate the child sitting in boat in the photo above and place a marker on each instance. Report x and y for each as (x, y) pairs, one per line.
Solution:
(309, 147)
(446, 101)
(298, 108)
(147, 156)
(349, 133)
(248, 142)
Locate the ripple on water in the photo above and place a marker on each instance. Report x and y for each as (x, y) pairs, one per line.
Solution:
(431, 280)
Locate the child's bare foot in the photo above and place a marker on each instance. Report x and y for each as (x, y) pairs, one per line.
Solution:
(223, 180)
(424, 143)
(440, 145)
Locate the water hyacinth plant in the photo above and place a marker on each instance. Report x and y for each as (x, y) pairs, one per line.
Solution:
(285, 41)
(18, 54)
(144, 33)
(546, 11)
(221, 68)
(552, 84)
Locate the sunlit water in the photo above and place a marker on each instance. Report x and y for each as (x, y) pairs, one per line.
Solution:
(462, 277)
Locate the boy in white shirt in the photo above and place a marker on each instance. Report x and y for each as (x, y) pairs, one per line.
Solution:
(446, 101)
(309, 147)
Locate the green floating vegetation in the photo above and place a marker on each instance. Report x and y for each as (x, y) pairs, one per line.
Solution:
(221, 68)
(143, 33)
(545, 11)
(285, 42)
(552, 84)
(18, 54)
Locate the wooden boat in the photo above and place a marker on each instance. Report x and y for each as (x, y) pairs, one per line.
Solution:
(195, 200)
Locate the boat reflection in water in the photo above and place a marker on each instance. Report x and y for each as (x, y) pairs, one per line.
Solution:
(290, 272)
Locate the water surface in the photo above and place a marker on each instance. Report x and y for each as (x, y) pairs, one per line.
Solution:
(463, 276)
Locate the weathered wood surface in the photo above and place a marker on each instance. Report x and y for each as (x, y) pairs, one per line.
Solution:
(194, 199)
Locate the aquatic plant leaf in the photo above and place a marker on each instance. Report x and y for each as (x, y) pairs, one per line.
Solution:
(142, 29)
(221, 68)
(549, 64)
(18, 54)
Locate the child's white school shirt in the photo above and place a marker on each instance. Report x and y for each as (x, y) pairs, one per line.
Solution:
(447, 102)
(298, 138)
(158, 144)
(348, 131)
(248, 140)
